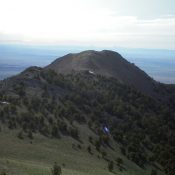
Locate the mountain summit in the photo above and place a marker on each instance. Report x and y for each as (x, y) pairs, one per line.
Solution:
(106, 63)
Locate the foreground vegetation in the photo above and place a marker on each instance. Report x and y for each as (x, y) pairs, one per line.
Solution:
(96, 122)
(20, 157)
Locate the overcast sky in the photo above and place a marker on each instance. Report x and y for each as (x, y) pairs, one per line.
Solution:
(124, 23)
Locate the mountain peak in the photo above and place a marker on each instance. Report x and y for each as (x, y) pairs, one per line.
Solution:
(107, 63)
(99, 53)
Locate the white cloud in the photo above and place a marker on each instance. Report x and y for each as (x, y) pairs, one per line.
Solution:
(72, 22)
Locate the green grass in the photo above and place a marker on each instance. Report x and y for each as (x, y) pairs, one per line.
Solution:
(21, 157)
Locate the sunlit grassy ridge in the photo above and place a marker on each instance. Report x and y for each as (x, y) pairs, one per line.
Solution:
(21, 157)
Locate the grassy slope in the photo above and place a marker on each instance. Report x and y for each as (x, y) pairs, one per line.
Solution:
(20, 157)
